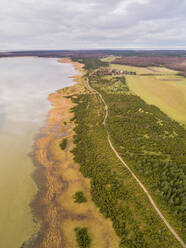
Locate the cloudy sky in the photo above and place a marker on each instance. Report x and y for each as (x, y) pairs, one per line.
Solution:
(85, 24)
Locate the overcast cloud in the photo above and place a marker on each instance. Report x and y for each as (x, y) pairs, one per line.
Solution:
(85, 24)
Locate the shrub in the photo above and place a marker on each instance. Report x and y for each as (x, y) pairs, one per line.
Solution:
(79, 197)
(63, 144)
(82, 237)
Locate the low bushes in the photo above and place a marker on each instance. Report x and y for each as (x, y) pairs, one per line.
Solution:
(79, 197)
(63, 144)
(82, 237)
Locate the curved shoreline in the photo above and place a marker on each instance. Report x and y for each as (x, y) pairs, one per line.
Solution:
(45, 206)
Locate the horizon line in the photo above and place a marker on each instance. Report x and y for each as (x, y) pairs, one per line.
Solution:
(96, 49)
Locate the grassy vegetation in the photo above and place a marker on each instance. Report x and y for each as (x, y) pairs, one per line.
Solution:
(114, 191)
(63, 144)
(151, 143)
(79, 197)
(82, 237)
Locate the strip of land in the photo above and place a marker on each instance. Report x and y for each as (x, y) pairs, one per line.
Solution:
(55, 204)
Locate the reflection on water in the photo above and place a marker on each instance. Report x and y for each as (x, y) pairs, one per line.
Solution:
(2, 115)
(24, 87)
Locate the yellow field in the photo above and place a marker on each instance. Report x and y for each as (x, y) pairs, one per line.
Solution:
(168, 92)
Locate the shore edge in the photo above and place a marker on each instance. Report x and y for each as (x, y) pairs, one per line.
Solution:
(45, 207)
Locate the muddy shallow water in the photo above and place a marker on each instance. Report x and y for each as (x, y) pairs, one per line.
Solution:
(24, 87)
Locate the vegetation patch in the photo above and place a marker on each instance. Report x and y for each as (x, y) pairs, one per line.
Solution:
(63, 144)
(82, 237)
(79, 197)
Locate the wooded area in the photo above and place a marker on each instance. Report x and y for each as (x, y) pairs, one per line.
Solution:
(151, 143)
(115, 193)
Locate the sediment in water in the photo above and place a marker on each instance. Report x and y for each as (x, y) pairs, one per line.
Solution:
(45, 207)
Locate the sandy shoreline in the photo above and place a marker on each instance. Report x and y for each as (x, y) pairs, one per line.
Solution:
(45, 206)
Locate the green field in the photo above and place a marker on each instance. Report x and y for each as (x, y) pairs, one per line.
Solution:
(166, 91)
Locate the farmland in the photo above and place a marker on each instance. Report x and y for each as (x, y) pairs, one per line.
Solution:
(169, 96)
(161, 87)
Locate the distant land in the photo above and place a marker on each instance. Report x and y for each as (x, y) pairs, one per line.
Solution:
(95, 53)
(173, 59)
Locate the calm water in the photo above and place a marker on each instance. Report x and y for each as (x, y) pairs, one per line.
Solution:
(24, 87)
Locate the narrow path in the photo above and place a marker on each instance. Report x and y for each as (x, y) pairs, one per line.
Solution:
(132, 173)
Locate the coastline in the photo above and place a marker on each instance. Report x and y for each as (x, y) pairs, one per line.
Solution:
(58, 178)
(45, 206)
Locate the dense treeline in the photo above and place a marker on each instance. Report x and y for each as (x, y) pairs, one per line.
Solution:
(151, 143)
(115, 193)
(91, 63)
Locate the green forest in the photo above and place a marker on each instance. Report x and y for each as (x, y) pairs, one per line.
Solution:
(150, 142)
(114, 191)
